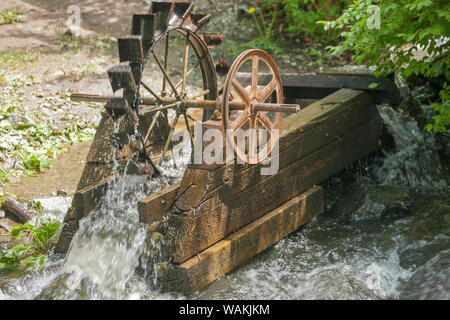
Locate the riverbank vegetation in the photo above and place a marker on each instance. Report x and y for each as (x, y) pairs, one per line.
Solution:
(406, 38)
(32, 254)
(411, 39)
(10, 16)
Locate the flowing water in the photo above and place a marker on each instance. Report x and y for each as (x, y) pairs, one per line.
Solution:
(403, 256)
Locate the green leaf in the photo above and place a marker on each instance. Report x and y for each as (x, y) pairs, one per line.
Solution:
(35, 263)
(16, 230)
(373, 85)
(37, 205)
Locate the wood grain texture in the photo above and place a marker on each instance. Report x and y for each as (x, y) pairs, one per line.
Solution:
(252, 239)
(318, 142)
(222, 215)
(302, 134)
(318, 86)
(158, 204)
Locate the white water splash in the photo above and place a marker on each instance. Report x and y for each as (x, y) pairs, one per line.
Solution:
(105, 251)
(103, 256)
(415, 163)
(385, 276)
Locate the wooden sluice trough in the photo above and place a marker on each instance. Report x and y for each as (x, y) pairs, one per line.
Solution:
(219, 216)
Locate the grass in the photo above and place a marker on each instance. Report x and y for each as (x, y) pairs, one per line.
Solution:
(96, 44)
(10, 16)
(32, 146)
(13, 59)
(82, 70)
(40, 147)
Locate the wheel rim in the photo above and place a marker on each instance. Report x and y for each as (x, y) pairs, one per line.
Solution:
(206, 66)
(256, 120)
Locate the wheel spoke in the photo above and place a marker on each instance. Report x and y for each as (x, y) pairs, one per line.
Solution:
(168, 141)
(165, 107)
(166, 76)
(239, 122)
(265, 121)
(255, 61)
(150, 128)
(151, 91)
(166, 55)
(187, 75)
(241, 91)
(188, 128)
(266, 92)
(200, 94)
(171, 144)
(186, 60)
(192, 119)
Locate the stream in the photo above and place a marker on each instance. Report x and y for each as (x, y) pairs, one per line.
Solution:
(401, 255)
(396, 256)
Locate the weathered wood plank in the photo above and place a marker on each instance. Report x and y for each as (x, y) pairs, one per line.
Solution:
(221, 215)
(302, 134)
(317, 86)
(157, 205)
(237, 248)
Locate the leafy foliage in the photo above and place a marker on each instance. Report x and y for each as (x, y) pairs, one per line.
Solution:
(442, 119)
(18, 59)
(32, 145)
(11, 16)
(29, 255)
(265, 39)
(405, 27)
(299, 17)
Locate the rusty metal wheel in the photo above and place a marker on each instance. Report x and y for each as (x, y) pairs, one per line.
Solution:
(256, 121)
(148, 52)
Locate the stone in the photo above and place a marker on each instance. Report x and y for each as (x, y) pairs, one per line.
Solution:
(7, 224)
(62, 192)
(16, 210)
(369, 202)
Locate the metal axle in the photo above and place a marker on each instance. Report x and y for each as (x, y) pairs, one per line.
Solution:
(171, 102)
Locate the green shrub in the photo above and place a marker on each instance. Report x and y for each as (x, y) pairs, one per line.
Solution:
(442, 117)
(29, 255)
(405, 26)
(11, 16)
(299, 17)
(266, 38)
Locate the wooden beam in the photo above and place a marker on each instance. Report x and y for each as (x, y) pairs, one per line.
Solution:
(302, 133)
(237, 248)
(317, 86)
(222, 215)
(157, 205)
